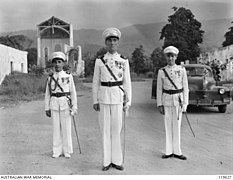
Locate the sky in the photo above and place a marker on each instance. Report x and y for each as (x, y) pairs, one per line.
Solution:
(100, 14)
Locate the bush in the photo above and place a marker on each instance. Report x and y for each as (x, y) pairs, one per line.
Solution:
(149, 74)
(20, 84)
(37, 71)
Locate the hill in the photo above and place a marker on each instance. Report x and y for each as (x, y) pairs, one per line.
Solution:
(140, 34)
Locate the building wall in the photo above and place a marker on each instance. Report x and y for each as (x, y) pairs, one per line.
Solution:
(51, 45)
(12, 60)
(221, 56)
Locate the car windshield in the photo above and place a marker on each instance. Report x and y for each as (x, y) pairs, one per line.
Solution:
(198, 71)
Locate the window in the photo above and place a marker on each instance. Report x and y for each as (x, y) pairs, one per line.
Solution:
(12, 67)
(46, 54)
(21, 67)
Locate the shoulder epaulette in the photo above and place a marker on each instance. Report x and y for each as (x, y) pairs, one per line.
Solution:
(123, 57)
(67, 72)
(51, 74)
(180, 66)
(100, 57)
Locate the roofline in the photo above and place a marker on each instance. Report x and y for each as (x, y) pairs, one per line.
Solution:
(52, 18)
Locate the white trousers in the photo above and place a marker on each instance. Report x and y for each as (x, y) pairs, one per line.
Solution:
(110, 120)
(62, 139)
(172, 128)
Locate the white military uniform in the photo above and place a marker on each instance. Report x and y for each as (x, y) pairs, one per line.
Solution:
(111, 103)
(171, 104)
(60, 111)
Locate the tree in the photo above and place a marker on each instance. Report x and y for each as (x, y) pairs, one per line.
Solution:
(229, 37)
(90, 61)
(138, 60)
(157, 58)
(183, 32)
(20, 42)
(32, 56)
(101, 52)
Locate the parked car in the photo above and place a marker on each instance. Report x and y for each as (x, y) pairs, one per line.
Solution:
(203, 89)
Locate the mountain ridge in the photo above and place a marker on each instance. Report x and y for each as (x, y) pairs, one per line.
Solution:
(139, 34)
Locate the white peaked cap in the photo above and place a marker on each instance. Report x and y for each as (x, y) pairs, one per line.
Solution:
(171, 49)
(59, 55)
(111, 32)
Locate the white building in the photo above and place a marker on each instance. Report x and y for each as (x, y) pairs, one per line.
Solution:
(53, 35)
(222, 55)
(12, 60)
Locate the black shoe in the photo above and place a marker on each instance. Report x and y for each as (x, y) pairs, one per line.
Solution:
(167, 156)
(182, 157)
(105, 168)
(118, 167)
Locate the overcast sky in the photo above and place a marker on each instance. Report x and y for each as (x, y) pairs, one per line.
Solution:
(100, 14)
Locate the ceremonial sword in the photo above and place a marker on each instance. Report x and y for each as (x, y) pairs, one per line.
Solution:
(76, 132)
(186, 116)
(124, 115)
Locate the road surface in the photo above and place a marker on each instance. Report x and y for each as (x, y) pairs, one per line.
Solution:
(26, 140)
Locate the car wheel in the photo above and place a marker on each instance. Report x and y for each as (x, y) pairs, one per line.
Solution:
(222, 108)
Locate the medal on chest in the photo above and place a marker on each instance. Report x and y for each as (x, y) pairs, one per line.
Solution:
(65, 80)
(119, 64)
(178, 73)
(120, 74)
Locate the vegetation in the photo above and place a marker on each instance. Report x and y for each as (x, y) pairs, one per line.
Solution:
(183, 32)
(21, 87)
(23, 43)
(90, 61)
(139, 61)
(20, 42)
(32, 56)
(228, 37)
(157, 59)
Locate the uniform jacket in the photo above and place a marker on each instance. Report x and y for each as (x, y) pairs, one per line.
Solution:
(120, 68)
(66, 82)
(179, 77)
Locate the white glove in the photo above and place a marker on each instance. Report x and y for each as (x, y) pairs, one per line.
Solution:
(126, 109)
(73, 111)
(184, 109)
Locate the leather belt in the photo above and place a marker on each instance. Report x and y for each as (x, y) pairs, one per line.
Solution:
(60, 94)
(110, 84)
(170, 91)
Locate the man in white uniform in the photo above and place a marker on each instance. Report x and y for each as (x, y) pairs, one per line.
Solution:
(108, 97)
(172, 101)
(60, 103)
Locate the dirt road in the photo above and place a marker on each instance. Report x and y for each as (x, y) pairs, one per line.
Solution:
(26, 140)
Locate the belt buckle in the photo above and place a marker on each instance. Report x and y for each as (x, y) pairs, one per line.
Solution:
(109, 83)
